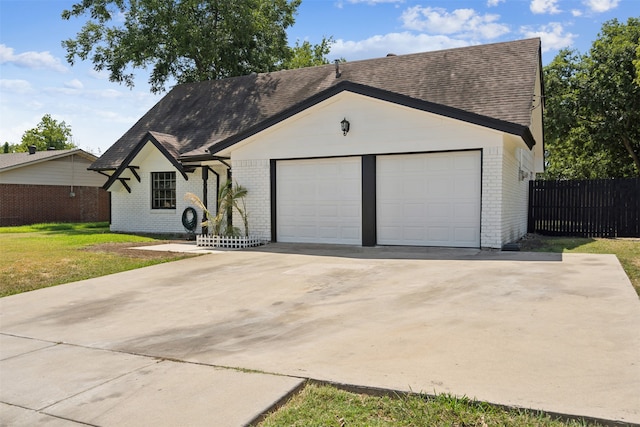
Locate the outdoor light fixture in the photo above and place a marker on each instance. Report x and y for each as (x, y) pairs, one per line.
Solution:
(344, 124)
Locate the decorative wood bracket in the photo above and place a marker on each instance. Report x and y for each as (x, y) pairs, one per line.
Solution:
(134, 172)
(123, 181)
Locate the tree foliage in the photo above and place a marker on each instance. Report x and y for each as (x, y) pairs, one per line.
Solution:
(592, 107)
(48, 133)
(308, 55)
(185, 40)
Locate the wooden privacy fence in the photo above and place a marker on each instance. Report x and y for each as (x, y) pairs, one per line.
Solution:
(585, 208)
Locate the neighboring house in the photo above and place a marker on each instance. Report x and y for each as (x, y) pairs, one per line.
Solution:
(51, 186)
(439, 150)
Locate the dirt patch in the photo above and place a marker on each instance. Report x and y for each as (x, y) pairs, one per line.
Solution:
(530, 242)
(128, 250)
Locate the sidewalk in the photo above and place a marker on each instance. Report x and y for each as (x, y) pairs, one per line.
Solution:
(65, 385)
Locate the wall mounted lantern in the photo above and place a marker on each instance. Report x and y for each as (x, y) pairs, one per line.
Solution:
(344, 125)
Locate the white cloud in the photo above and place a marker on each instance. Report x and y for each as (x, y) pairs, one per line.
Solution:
(465, 23)
(399, 43)
(493, 3)
(20, 87)
(75, 87)
(99, 75)
(544, 6)
(552, 35)
(601, 5)
(108, 94)
(35, 60)
(576, 13)
(74, 84)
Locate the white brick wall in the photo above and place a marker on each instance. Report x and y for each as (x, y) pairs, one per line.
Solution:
(491, 216)
(131, 212)
(504, 194)
(254, 175)
(515, 189)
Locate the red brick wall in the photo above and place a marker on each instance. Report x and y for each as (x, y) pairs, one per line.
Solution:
(22, 204)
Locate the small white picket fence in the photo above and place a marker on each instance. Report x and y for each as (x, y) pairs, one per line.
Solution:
(229, 242)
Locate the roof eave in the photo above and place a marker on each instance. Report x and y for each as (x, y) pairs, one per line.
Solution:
(59, 155)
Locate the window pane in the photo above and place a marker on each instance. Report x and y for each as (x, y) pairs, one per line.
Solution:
(163, 190)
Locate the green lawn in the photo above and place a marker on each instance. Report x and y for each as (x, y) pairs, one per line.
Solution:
(328, 406)
(42, 255)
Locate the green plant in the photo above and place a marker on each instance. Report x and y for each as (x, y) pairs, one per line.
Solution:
(231, 196)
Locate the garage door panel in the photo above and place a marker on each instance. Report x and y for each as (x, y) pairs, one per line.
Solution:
(464, 234)
(351, 211)
(467, 163)
(413, 233)
(438, 234)
(328, 211)
(438, 210)
(352, 233)
(466, 212)
(414, 210)
(429, 199)
(319, 201)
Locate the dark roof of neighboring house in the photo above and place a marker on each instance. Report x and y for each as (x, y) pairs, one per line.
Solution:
(10, 161)
(489, 84)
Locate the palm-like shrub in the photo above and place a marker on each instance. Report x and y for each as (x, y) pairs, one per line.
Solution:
(231, 196)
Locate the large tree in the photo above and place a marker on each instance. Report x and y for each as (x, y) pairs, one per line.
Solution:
(184, 40)
(308, 55)
(49, 133)
(592, 118)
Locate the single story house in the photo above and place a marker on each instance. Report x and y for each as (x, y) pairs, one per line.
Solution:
(427, 149)
(51, 186)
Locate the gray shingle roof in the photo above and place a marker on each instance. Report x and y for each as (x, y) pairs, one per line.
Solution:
(14, 160)
(495, 81)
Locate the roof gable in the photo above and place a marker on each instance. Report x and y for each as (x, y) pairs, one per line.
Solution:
(494, 82)
(166, 144)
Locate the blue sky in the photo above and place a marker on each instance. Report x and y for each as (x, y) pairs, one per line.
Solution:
(35, 78)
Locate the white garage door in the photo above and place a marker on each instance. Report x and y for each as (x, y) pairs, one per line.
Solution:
(319, 201)
(429, 199)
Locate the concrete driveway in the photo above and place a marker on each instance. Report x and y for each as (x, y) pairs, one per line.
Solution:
(155, 346)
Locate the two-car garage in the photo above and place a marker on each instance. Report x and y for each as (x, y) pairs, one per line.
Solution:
(423, 199)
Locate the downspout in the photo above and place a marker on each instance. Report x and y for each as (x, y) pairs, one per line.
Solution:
(73, 167)
(205, 191)
(230, 212)
(205, 195)
(217, 188)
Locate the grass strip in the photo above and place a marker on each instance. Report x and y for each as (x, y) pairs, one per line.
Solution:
(322, 405)
(43, 255)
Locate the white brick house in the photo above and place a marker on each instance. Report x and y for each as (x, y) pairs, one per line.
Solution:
(439, 150)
